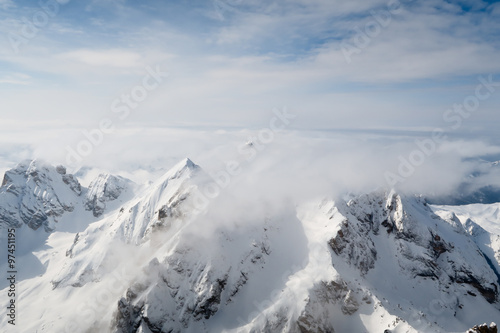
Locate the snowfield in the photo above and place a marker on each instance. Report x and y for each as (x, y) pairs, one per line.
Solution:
(121, 257)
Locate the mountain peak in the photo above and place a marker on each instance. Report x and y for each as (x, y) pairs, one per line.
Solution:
(103, 189)
(37, 194)
(311, 267)
(185, 165)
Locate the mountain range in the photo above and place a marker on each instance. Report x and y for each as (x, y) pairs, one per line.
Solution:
(168, 256)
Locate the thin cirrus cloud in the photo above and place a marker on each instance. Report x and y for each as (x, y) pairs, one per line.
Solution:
(231, 64)
(112, 58)
(6, 4)
(15, 79)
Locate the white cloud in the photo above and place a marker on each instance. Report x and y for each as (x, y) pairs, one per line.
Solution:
(15, 79)
(269, 55)
(294, 165)
(112, 58)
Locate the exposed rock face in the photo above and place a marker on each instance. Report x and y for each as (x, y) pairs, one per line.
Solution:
(192, 292)
(69, 180)
(422, 250)
(129, 316)
(103, 189)
(325, 297)
(377, 262)
(484, 328)
(354, 247)
(37, 194)
(179, 291)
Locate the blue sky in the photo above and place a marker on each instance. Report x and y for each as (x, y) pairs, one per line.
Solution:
(232, 61)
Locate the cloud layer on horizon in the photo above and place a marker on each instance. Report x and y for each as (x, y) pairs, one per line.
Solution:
(288, 164)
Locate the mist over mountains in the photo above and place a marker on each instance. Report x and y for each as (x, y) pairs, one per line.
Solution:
(298, 166)
(225, 251)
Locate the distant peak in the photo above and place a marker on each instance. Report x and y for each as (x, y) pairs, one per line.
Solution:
(187, 162)
(27, 164)
(184, 165)
(31, 167)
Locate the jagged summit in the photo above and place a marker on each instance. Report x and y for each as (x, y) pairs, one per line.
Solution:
(37, 194)
(432, 243)
(188, 163)
(103, 189)
(151, 262)
(165, 204)
(185, 166)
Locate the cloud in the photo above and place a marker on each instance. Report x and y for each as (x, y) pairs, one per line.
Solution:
(262, 55)
(294, 165)
(15, 79)
(112, 58)
(7, 4)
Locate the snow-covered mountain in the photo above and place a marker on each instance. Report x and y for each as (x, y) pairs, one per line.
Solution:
(167, 257)
(37, 195)
(103, 189)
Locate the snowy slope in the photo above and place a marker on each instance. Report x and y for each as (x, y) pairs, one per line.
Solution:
(157, 261)
(482, 223)
(37, 195)
(39, 200)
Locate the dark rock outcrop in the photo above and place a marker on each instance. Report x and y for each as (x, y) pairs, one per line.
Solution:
(103, 189)
(484, 328)
(37, 194)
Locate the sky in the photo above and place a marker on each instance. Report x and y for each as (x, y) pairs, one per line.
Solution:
(231, 61)
(403, 68)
